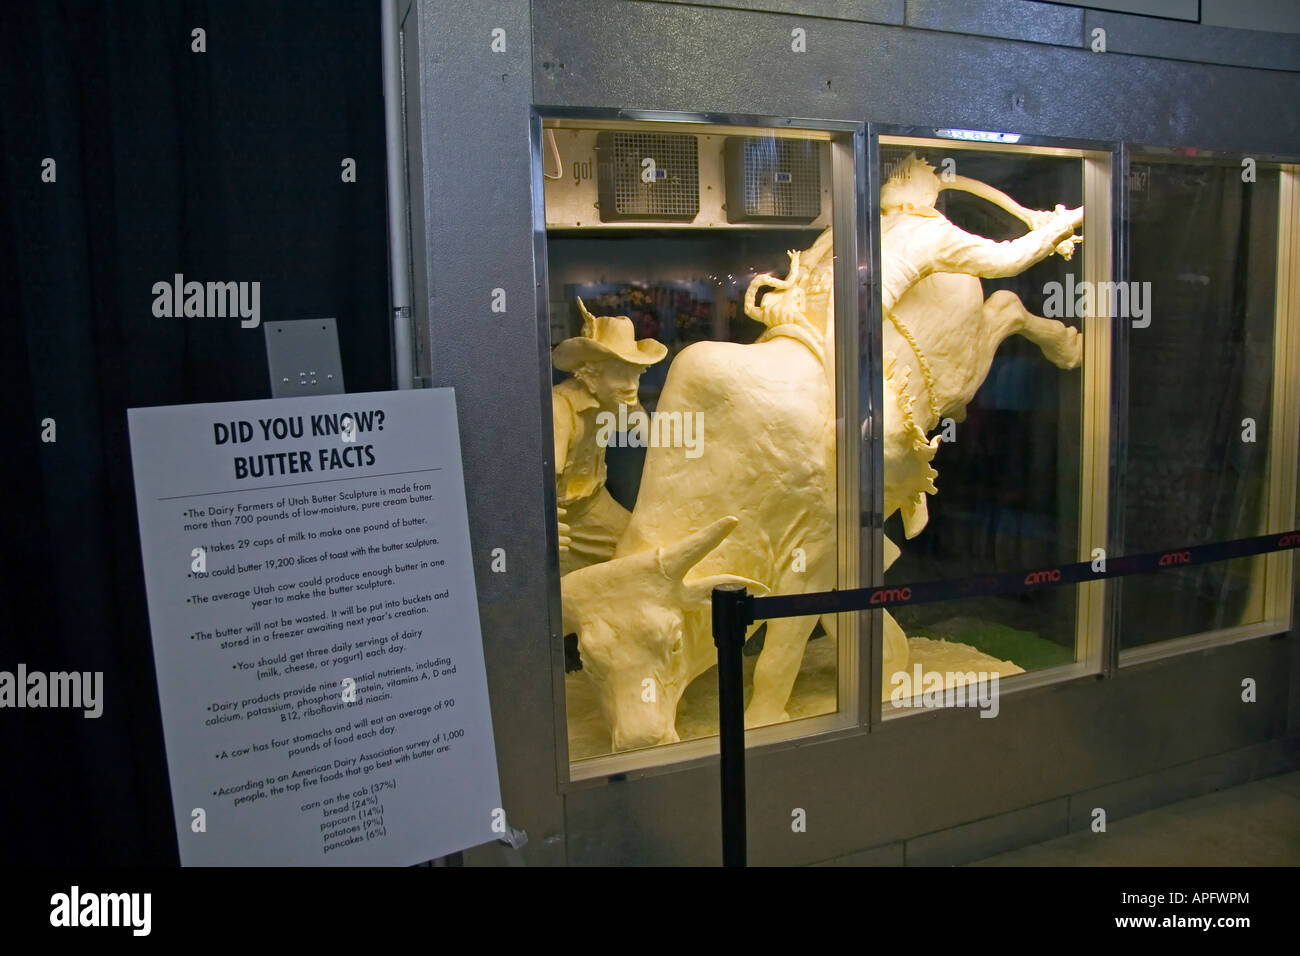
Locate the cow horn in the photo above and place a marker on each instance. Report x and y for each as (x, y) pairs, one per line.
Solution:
(677, 559)
(698, 595)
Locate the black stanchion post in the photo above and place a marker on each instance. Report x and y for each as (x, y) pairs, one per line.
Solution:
(730, 618)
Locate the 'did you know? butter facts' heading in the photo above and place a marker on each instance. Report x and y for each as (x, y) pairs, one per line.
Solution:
(315, 628)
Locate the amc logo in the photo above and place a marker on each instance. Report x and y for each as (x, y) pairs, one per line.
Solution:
(891, 594)
(1290, 540)
(1175, 557)
(1043, 577)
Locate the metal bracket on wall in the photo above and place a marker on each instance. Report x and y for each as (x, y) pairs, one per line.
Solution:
(303, 358)
(514, 838)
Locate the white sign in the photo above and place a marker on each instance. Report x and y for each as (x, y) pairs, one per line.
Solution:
(315, 629)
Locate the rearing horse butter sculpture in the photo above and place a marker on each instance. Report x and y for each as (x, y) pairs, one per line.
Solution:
(940, 333)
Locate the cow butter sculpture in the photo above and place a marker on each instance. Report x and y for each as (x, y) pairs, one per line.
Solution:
(756, 506)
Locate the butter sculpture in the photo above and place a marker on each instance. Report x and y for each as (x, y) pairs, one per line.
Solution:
(756, 507)
(940, 333)
(606, 363)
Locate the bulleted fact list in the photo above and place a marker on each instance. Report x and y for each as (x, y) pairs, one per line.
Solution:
(315, 629)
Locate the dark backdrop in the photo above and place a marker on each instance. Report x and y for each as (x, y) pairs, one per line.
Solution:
(1208, 244)
(224, 166)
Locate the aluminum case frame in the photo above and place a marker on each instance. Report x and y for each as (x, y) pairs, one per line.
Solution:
(852, 288)
(1280, 590)
(1094, 628)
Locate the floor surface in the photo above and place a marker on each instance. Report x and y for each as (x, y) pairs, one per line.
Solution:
(1255, 824)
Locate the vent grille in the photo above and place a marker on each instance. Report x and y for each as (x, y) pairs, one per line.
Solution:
(773, 180)
(648, 176)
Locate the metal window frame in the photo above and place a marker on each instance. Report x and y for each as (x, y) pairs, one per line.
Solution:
(1103, 441)
(848, 191)
(1103, 261)
(1284, 424)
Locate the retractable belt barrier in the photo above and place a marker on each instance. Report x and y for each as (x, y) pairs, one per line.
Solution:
(734, 609)
(928, 592)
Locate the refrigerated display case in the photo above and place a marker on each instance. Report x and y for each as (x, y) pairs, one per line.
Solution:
(712, 250)
(1209, 391)
(994, 392)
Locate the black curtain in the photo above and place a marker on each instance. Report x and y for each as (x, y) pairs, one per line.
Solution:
(1207, 243)
(222, 165)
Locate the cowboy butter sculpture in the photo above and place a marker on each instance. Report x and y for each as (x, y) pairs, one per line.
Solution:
(606, 362)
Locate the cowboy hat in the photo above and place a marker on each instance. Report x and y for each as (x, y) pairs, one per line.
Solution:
(605, 337)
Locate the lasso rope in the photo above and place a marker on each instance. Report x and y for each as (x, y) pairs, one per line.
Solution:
(926, 375)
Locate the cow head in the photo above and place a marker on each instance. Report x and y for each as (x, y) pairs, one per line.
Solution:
(631, 615)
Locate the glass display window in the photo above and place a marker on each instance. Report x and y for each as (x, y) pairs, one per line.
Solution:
(993, 417)
(697, 416)
(1210, 394)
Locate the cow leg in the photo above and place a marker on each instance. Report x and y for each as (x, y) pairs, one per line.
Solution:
(1061, 344)
(776, 669)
